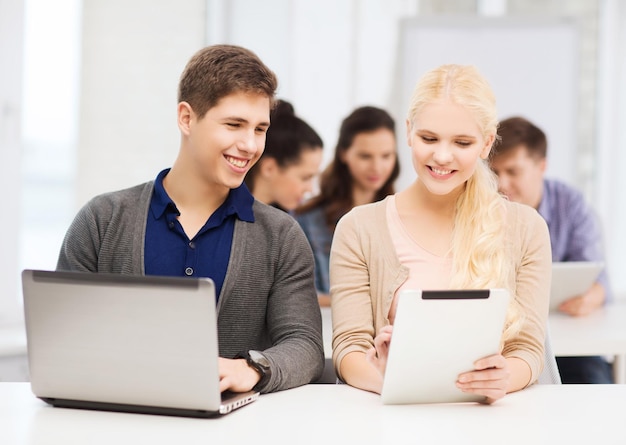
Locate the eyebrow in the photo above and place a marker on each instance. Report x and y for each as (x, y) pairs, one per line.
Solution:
(244, 121)
(423, 130)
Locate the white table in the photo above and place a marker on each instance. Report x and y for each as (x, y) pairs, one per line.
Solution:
(13, 358)
(319, 414)
(602, 332)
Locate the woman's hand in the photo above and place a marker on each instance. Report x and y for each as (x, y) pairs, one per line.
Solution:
(490, 378)
(377, 356)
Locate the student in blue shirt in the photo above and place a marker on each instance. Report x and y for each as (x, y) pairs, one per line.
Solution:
(196, 219)
(520, 161)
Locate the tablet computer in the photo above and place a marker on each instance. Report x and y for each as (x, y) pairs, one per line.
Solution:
(438, 335)
(572, 278)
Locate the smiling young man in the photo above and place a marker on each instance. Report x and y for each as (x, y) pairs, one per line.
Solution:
(197, 219)
(519, 160)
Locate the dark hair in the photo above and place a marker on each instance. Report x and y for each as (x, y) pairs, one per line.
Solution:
(336, 181)
(219, 70)
(287, 138)
(516, 131)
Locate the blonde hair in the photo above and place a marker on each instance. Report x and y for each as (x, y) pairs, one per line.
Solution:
(480, 259)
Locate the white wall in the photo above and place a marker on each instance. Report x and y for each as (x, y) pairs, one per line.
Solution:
(610, 199)
(133, 54)
(11, 56)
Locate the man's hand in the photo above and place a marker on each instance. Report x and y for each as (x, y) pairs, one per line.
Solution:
(236, 375)
(586, 303)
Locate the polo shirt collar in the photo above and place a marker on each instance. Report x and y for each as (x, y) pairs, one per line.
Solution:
(160, 199)
(238, 202)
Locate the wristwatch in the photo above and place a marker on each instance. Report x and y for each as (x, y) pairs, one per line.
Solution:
(257, 361)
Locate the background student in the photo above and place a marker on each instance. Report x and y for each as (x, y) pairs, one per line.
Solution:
(196, 219)
(450, 229)
(290, 162)
(363, 171)
(520, 162)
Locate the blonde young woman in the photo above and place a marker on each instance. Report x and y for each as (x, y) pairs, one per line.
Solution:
(450, 229)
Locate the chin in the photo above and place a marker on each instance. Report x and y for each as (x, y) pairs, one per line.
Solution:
(233, 184)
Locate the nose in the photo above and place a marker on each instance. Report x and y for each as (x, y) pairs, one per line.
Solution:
(308, 187)
(249, 143)
(442, 154)
(378, 166)
(503, 183)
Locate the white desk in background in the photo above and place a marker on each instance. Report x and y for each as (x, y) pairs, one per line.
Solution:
(602, 332)
(318, 414)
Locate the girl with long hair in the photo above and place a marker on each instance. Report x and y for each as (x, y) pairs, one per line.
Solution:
(449, 229)
(363, 171)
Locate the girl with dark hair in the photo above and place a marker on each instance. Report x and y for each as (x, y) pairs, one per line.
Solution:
(290, 162)
(363, 171)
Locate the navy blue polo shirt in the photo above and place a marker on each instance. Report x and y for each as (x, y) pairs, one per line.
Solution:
(170, 252)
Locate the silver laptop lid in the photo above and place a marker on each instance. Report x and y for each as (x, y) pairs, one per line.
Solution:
(135, 340)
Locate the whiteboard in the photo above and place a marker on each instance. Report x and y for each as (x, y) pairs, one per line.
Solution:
(532, 66)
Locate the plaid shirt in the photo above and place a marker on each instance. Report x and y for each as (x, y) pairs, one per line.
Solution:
(575, 233)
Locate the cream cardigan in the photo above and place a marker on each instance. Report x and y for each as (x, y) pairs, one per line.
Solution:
(365, 273)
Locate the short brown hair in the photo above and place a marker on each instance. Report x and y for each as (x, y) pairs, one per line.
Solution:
(516, 131)
(220, 70)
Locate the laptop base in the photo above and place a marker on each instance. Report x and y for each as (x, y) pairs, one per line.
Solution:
(225, 408)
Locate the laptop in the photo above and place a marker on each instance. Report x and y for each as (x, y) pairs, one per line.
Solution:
(572, 278)
(438, 335)
(141, 344)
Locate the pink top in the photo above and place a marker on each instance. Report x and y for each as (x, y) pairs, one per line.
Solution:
(427, 271)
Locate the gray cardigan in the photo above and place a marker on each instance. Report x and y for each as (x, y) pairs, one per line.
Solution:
(268, 301)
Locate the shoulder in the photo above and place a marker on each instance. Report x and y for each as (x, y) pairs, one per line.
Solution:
(366, 218)
(371, 210)
(270, 218)
(521, 214)
(563, 202)
(559, 187)
(560, 192)
(524, 224)
(128, 196)
(515, 210)
(310, 215)
(274, 231)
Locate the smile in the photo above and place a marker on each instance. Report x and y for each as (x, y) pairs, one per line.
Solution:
(240, 163)
(440, 172)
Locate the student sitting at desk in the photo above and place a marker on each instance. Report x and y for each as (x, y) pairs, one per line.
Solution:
(520, 162)
(364, 169)
(450, 229)
(198, 220)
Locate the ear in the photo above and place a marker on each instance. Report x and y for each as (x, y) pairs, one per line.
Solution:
(543, 164)
(268, 167)
(408, 132)
(185, 116)
(484, 154)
